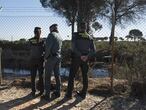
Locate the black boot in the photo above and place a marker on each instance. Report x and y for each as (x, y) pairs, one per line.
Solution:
(81, 94)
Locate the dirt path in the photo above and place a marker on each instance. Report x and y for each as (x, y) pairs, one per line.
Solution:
(18, 98)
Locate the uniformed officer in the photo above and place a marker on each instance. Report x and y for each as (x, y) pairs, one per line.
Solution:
(36, 60)
(82, 49)
(52, 61)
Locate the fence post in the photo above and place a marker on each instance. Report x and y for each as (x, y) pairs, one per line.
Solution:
(0, 67)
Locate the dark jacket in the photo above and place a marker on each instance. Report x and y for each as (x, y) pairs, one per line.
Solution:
(82, 44)
(36, 48)
(53, 45)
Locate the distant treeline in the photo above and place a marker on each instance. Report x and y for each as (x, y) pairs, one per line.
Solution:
(16, 54)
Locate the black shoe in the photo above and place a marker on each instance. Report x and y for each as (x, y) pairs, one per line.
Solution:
(56, 94)
(68, 96)
(81, 94)
(46, 97)
(40, 93)
(32, 94)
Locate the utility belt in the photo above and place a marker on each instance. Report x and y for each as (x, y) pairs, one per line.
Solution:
(73, 55)
(84, 54)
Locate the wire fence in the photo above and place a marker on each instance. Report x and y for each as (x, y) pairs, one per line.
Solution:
(15, 28)
(18, 27)
(19, 22)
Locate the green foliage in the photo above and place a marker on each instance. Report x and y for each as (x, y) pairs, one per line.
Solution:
(137, 34)
(66, 44)
(16, 45)
(76, 10)
(103, 45)
(122, 11)
(131, 56)
(125, 10)
(132, 64)
(65, 8)
(96, 26)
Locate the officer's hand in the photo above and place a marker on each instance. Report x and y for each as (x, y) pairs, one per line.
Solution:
(84, 58)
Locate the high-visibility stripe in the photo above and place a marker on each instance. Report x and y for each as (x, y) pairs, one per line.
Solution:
(34, 41)
(85, 35)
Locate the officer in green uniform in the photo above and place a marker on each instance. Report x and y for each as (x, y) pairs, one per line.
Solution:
(36, 60)
(82, 49)
(52, 61)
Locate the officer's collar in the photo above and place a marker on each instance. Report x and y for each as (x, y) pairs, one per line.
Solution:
(38, 39)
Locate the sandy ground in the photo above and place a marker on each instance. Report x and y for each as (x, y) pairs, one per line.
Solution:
(17, 97)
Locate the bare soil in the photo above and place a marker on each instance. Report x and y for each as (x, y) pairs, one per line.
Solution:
(15, 95)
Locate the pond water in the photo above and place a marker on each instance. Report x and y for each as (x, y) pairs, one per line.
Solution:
(102, 72)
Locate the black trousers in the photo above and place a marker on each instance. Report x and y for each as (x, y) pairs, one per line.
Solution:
(37, 65)
(75, 64)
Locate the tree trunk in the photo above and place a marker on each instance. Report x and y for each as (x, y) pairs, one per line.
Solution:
(0, 67)
(112, 44)
(80, 17)
(73, 26)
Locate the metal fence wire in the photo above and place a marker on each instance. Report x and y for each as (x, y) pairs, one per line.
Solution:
(15, 29)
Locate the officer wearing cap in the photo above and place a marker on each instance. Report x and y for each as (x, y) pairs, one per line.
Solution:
(82, 49)
(36, 60)
(52, 61)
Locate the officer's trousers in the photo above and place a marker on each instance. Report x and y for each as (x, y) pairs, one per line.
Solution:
(52, 65)
(37, 65)
(75, 64)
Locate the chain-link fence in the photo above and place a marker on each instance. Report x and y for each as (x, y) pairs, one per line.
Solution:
(18, 29)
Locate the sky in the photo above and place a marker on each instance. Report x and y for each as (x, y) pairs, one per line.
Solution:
(19, 17)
